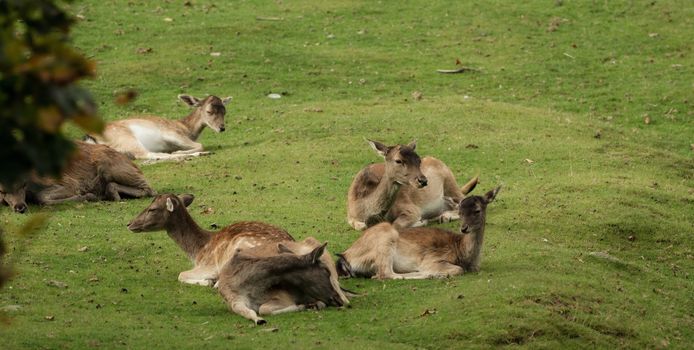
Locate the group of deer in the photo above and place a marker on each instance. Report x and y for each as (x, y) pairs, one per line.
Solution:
(258, 268)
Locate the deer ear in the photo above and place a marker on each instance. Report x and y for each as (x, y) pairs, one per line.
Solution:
(380, 148)
(186, 199)
(489, 196)
(169, 205)
(189, 100)
(412, 144)
(226, 100)
(317, 253)
(281, 248)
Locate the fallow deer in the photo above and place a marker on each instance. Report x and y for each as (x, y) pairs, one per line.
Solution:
(158, 138)
(209, 251)
(385, 252)
(404, 190)
(285, 277)
(93, 172)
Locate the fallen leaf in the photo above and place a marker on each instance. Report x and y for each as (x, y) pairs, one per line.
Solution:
(529, 161)
(57, 284)
(94, 279)
(49, 318)
(125, 96)
(83, 249)
(417, 95)
(215, 54)
(274, 96)
(168, 19)
(647, 119)
(207, 210)
(653, 35)
(427, 312)
(144, 50)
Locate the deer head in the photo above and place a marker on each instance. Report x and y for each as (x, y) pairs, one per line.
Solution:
(15, 197)
(473, 211)
(157, 215)
(402, 163)
(211, 110)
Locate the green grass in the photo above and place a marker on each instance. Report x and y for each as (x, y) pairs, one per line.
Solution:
(540, 94)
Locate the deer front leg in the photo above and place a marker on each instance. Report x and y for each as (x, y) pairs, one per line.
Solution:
(441, 269)
(62, 194)
(114, 190)
(410, 217)
(280, 303)
(202, 276)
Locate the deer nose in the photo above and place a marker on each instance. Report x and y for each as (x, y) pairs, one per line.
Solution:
(222, 128)
(20, 208)
(422, 181)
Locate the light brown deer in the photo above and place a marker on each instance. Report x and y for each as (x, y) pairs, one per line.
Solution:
(93, 172)
(158, 138)
(384, 252)
(404, 190)
(279, 278)
(209, 251)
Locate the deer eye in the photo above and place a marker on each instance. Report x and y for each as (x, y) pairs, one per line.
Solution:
(398, 161)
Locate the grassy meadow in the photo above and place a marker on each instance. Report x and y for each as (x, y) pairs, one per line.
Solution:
(581, 110)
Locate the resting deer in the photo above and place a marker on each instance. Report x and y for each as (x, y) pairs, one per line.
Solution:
(93, 172)
(158, 138)
(404, 190)
(384, 252)
(209, 251)
(287, 277)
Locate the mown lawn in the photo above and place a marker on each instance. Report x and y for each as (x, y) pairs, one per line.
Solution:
(581, 110)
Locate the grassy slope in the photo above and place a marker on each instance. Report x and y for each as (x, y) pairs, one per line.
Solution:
(540, 95)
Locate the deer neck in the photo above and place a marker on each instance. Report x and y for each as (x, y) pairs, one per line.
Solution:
(469, 250)
(385, 194)
(194, 123)
(186, 233)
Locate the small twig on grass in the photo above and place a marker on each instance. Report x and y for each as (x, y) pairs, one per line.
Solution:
(569, 56)
(457, 70)
(261, 18)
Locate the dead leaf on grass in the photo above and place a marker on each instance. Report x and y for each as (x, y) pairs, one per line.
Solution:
(417, 95)
(529, 161)
(427, 312)
(144, 50)
(57, 284)
(83, 249)
(207, 210)
(49, 318)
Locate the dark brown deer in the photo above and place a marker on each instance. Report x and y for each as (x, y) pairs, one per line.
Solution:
(94, 172)
(209, 251)
(385, 252)
(285, 278)
(404, 190)
(157, 138)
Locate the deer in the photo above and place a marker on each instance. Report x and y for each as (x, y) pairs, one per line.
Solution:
(386, 252)
(93, 172)
(405, 190)
(155, 138)
(279, 278)
(208, 251)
